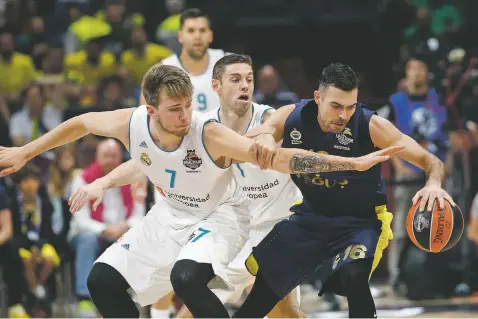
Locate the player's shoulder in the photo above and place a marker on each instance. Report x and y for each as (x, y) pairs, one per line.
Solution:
(216, 54)
(171, 60)
(212, 114)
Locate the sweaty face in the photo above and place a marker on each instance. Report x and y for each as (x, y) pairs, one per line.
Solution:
(336, 107)
(417, 72)
(195, 36)
(236, 87)
(174, 114)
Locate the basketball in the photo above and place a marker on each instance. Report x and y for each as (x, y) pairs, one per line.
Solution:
(435, 231)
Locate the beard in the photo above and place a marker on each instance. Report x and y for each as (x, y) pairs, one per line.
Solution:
(197, 55)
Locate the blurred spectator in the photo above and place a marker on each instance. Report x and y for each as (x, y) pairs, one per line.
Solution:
(17, 69)
(268, 90)
(11, 264)
(35, 118)
(33, 230)
(82, 29)
(142, 55)
(473, 226)
(33, 41)
(121, 22)
(93, 230)
(418, 112)
(5, 139)
(88, 66)
(167, 31)
(62, 172)
(111, 94)
(444, 17)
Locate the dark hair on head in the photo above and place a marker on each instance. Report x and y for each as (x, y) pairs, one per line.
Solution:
(171, 80)
(28, 171)
(192, 13)
(340, 76)
(32, 85)
(226, 60)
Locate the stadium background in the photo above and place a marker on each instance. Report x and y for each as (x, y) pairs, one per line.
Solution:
(297, 38)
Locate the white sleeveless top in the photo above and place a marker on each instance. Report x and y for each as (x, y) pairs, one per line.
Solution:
(204, 97)
(271, 193)
(187, 178)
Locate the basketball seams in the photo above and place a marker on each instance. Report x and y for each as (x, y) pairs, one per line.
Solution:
(432, 222)
(452, 222)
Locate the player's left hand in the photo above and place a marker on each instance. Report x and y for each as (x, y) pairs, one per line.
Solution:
(266, 149)
(429, 194)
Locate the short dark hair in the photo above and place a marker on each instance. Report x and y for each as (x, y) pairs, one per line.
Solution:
(165, 78)
(340, 76)
(193, 13)
(226, 60)
(28, 171)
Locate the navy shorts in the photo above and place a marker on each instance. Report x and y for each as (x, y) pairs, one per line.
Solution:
(302, 245)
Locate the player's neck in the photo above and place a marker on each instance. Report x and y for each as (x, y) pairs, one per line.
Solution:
(237, 123)
(193, 66)
(414, 89)
(165, 140)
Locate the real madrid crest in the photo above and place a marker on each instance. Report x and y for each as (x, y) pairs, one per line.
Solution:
(145, 159)
(295, 136)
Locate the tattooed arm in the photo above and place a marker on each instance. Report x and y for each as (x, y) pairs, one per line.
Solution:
(296, 161)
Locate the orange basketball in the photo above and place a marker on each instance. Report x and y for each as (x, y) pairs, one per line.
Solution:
(435, 231)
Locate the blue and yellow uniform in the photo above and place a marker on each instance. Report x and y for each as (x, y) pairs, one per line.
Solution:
(342, 217)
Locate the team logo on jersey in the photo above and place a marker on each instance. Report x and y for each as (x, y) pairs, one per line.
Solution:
(191, 160)
(420, 223)
(145, 159)
(345, 138)
(295, 135)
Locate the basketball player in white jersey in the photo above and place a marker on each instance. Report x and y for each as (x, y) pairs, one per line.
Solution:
(186, 241)
(270, 193)
(196, 58)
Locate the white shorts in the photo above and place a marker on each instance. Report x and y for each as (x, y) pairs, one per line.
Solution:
(146, 254)
(237, 273)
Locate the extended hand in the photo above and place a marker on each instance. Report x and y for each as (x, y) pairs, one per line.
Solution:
(428, 194)
(266, 149)
(364, 163)
(12, 159)
(83, 195)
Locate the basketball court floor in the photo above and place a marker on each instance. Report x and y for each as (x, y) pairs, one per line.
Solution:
(389, 306)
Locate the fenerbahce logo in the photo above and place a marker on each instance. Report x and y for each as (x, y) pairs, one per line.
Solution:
(345, 138)
(295, 137)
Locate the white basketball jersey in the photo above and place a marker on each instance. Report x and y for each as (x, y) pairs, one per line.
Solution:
(204, 97)
(271, 193)
(187, 178)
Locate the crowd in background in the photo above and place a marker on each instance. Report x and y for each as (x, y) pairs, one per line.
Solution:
(82, 56)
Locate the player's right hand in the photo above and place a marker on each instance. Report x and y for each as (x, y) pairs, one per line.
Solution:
(12, 159)
(364, 163)
(83, 195)
(266, 149)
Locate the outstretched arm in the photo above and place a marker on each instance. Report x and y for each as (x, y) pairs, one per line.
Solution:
(221, 142)
(385, 134)
(110, 124)
(125, 174)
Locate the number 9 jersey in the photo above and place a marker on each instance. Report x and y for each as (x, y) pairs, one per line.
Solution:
(204, 97)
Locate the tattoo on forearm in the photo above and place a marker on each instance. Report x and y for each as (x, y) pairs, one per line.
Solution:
(301, 163)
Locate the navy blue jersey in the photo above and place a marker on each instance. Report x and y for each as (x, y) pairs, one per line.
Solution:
(334, 194)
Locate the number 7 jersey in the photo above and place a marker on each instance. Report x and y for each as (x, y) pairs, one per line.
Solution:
(187, 178)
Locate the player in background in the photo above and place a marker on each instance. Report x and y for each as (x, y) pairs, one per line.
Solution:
(196, 58)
